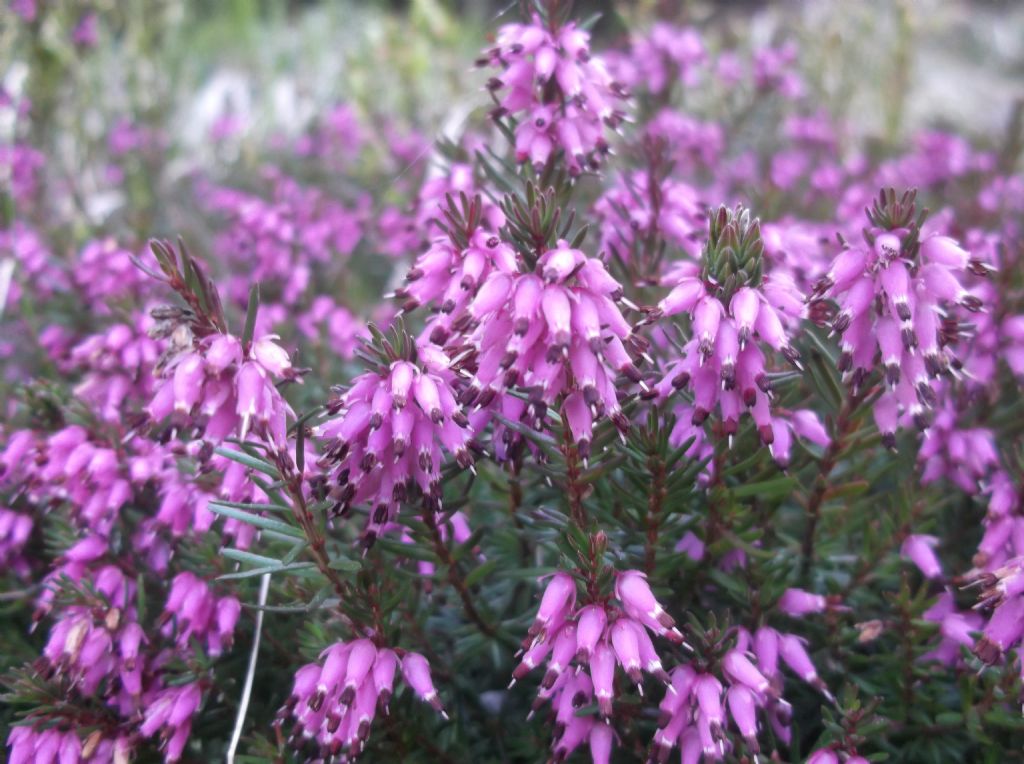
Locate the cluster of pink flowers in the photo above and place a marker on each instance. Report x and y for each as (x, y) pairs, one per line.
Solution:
(656, 60)
(36, 745)
(334, 703)
(105, 271)
(194, 612)
(694, 717)
(775, 69)
(15, 529)
(128, 137)
(337, 137)
(598, 636)
(965, 456)
(90, 644)
(640, 208)
(169, 715)
(558, 332)
(892, 296)
(22, 164)
(116, 365)
(450, 273)
(1003, 590)
(282, 240)
(998, 573)
(593, 638)
(168, 434)
(327, 321)
(452, 182)
(97, 648)
(71, 466)
(35, 267)
(386, 437)
(694, 144)
(936, 157)
(99, 474)
(723, 365)
(230, 388)
(561, 95)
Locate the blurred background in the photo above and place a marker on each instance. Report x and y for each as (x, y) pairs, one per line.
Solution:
(132, 105)
(249, 68)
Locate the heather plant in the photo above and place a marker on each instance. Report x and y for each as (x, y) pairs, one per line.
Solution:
(650, 410)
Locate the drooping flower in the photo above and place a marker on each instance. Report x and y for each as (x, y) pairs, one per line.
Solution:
(560, 94)
(775, 69)
(170, 714)
(99, 652)
(964, 456)
(327, 321)
(194, 611)
(15, 530)
(117, 366)
(694, 713)
(664, 55)
(1002, 590)
(228, 388)
(104, 271)
(334, 702)
(37, 270)
(893, 297)
(955, 629)
(734, 311)
(920, 550)
(640, 208)
(692, 143)
(283, 240)
(452, 271)
(389, 431)
(581, 647)
(557, 333)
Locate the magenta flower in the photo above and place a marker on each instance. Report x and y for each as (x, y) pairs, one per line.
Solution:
(656, 60)
(560, 94)
(451, 272)
(955, 630)
(225, 388)
(692, 143)
(693, 716)
(797, 602)
(637, 206)
(331, 323)
(892, 296)
(920, 550)
(38, 270)
(117, 367)
(558, 333)
(99, 651)
(334, 703)
(105, 271)
(723, 365)
(282, 241)
(194, 611)
(388, 435)
(15, 529)
(594, 639)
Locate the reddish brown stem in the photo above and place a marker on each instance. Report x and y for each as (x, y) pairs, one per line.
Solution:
(844, 427)
(455, 579)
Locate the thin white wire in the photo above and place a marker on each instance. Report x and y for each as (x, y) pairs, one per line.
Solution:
(6, 274)
(243, 704)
